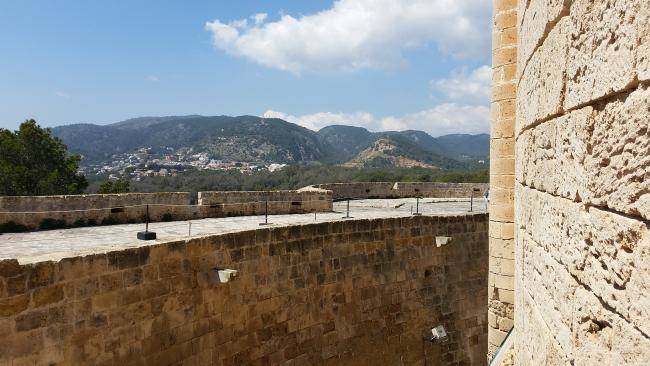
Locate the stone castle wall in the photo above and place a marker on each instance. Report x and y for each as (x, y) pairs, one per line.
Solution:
(582, 183)
(241, 203)
(355, 292)
(502, 169)
(366, 190)
(93, 209)
(85, 201)
(103, 209)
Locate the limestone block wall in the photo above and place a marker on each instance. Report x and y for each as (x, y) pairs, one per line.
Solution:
(241, 203)
(440, 190)
(366, 190)
(358, 190)
(93, 209)
(355, 292)
(103, 209)
(502, 169)
(582, 183)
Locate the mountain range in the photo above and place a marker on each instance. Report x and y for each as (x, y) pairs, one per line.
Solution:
(256, 139)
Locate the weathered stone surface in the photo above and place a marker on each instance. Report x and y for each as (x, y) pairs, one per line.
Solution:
(80, 210)
(618, 160)
(570, 319)
(605, 251)
(13, 305)
(30, 211)
(535, 344)
(643, 42)
(502, 164)
(599, 155)
(504, 38)
(9, 268)
(500, 248)
(602, 52)
(602, 337)
(541, 87)
(503, 266)
(352, 292)
(41, 274)
(502, 117)
(500, 148)
(536, 19)
(582, 166)
(551, 289)
(47, 295)
(399, 189)
(550, 156)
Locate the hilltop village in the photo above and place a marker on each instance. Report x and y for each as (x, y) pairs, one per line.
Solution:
(145, 163)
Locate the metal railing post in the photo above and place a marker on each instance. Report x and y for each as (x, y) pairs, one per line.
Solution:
(347, 213)
(471, 201)
(266, 212)
(146, 234)
(417, 207)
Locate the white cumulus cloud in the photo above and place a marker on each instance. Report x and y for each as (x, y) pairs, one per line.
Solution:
(468, 88)
(355, 34)
(259, 18)
(443, 119)
(62, 94)
(465, 109)
(319, 120)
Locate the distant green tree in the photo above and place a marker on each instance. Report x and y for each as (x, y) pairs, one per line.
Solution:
(34, 162)
(117, 186)
(298, 176)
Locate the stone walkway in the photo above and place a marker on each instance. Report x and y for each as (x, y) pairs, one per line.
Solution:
(57, 244)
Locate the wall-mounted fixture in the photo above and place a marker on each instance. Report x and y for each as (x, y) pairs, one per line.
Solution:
(215, 276)
(443, 240)
(226, 275)
(417, 206)
(438, 335)
(146, 234)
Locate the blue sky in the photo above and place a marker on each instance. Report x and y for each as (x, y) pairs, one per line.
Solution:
(381, 64)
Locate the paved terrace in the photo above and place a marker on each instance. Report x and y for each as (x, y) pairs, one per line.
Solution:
(58, 244)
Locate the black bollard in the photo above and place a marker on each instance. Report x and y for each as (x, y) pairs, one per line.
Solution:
(266, 213)
(471, 202)
(417, 207)
(146, 234)
(347, 214)
(471, 199)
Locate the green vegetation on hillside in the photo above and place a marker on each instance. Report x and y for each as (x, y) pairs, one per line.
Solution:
(243, 138)
(298, 176)
(265, 140)
(34, 162)
(117, 186)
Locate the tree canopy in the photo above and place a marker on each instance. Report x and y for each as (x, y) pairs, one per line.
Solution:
(118, 186)
(34, 162)
(293, 177)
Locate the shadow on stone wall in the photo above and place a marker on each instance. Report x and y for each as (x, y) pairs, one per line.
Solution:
(356, 292)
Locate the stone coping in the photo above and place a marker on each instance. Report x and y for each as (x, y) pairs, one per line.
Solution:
(54, 245)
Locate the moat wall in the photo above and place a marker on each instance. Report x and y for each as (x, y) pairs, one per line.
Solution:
(366, 190)
(93, 209)
(356, 292)
(47, 212)
(582, 198)
(241, 203)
